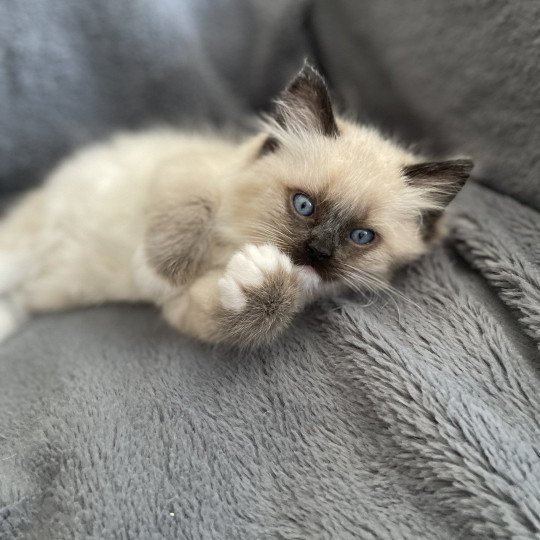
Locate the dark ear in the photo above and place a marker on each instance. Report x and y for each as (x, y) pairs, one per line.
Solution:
(443, 179)
(305, 103)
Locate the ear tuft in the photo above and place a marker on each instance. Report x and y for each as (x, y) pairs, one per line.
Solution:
(305, 103)
(444, 179)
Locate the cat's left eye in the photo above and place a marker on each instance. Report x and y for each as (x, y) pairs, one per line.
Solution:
(362, 236)
(303, 205)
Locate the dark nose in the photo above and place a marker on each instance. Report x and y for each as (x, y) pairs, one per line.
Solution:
(318, 252)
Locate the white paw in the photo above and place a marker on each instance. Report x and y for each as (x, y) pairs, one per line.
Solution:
(247, 269)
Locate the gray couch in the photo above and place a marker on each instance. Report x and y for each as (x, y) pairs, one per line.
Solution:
(413, 416)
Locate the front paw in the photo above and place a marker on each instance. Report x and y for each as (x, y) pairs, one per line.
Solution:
(260, 293)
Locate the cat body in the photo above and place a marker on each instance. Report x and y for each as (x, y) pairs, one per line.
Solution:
(229, 238)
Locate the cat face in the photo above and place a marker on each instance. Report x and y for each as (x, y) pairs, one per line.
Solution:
(337, 197)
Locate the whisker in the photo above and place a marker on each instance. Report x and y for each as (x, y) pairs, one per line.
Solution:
(267, 229)
(355, 288)
(357, 283)
(382, 286)
(268, 236)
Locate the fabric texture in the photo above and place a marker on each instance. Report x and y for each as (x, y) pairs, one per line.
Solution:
(412, 415)
(73, 72)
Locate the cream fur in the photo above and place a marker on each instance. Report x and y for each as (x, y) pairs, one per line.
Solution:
(86, 236)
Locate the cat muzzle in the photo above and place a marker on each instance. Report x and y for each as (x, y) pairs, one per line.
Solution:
(318, 252)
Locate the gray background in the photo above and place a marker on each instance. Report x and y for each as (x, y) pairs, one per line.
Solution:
(414, 416)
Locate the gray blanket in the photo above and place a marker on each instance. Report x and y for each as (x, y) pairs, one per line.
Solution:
(415, 415)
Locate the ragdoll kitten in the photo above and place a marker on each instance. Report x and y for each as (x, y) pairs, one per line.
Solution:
(230, 240)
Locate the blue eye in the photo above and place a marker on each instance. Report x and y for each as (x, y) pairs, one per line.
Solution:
(362, 236)
(303, 205)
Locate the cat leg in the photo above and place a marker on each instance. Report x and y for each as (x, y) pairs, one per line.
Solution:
(18, 230)
(248, 304)
(177, 238)
(13, 270)
(12, 315)
(8, 320)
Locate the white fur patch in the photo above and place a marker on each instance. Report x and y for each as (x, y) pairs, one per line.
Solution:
(268, 258)
(244, 270)
(309, 279)
(231, 294)
(11, 317)
(13, 268)
(247, 269)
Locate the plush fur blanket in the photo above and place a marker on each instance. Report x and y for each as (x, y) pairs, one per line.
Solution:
(415, 415)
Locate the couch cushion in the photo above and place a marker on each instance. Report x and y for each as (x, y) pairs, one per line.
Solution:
(74, 71)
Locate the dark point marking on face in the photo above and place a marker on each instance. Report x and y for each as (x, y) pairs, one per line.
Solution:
(322, 239)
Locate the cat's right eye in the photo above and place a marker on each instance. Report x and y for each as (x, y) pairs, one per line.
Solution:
(303, 205)
(362, 236)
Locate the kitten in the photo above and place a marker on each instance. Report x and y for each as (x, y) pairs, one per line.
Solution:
(229, 239)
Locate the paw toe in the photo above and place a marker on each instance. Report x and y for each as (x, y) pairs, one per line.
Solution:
(231, 294)
(268, 258)
(242, 269)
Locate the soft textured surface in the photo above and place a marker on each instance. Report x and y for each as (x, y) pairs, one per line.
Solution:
(71, 72)
(416, 416)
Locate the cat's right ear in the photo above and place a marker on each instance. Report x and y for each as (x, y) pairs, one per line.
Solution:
(304, 105)
(441, 179)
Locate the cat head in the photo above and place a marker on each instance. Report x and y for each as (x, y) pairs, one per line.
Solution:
(336, 196)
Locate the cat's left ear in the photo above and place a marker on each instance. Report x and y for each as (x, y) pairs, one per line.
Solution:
(305, 104)
(442, 179)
